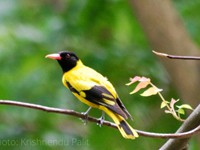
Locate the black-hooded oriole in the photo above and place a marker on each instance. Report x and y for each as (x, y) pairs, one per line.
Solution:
(91, 88)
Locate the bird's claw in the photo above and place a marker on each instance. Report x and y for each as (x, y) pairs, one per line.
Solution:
(101, 119)
(85, 120)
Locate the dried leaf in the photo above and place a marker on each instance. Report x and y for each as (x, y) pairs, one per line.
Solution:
(133, 80)
(141, 85)
(144, 79)
(151, 91)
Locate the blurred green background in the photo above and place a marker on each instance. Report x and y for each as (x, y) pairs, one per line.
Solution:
(107, 37)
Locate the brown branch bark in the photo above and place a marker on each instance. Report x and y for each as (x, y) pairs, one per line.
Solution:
(92, 119)
(166, 33)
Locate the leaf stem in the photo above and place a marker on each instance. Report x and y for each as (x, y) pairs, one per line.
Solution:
(173, 112)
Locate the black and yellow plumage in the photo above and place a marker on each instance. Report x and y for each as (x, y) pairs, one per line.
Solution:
(91, 88)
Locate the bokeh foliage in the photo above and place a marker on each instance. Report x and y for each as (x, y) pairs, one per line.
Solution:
(106, 36)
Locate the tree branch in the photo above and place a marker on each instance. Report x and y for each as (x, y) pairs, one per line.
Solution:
(193, 121)
(176, 56)
(92, 119)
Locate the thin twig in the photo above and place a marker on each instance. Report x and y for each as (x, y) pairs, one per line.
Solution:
(176, 56)
(92, 119)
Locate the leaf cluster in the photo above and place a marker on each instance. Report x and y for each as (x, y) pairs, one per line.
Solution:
(171, 106)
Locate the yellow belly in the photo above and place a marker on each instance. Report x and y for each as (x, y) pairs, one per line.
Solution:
(86, 101)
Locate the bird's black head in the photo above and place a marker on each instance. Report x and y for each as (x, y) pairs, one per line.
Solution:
(67, 60)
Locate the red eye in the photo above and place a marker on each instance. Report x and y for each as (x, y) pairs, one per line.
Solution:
(68, 56)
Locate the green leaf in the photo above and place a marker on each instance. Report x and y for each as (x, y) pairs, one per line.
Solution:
(181, 111)
(185, 106)
(164, 104)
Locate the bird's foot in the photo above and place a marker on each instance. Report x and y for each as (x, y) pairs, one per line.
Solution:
(85, 120)
(101, 119)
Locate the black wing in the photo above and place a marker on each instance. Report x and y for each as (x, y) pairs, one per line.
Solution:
(101, 96)
(121, 105)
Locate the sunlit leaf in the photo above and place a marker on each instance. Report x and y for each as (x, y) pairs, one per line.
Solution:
(151, 91)
(164, 104)
(141, 85)
(185, 106)
(181, 111)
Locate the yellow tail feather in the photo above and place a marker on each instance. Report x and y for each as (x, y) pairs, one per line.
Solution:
(125, 129)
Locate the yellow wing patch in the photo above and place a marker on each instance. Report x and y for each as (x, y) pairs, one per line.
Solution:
(108, 99)
(82, 94)
(107, 95)
(109, 102)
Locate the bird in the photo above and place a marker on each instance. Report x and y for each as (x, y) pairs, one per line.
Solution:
(93, 89)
